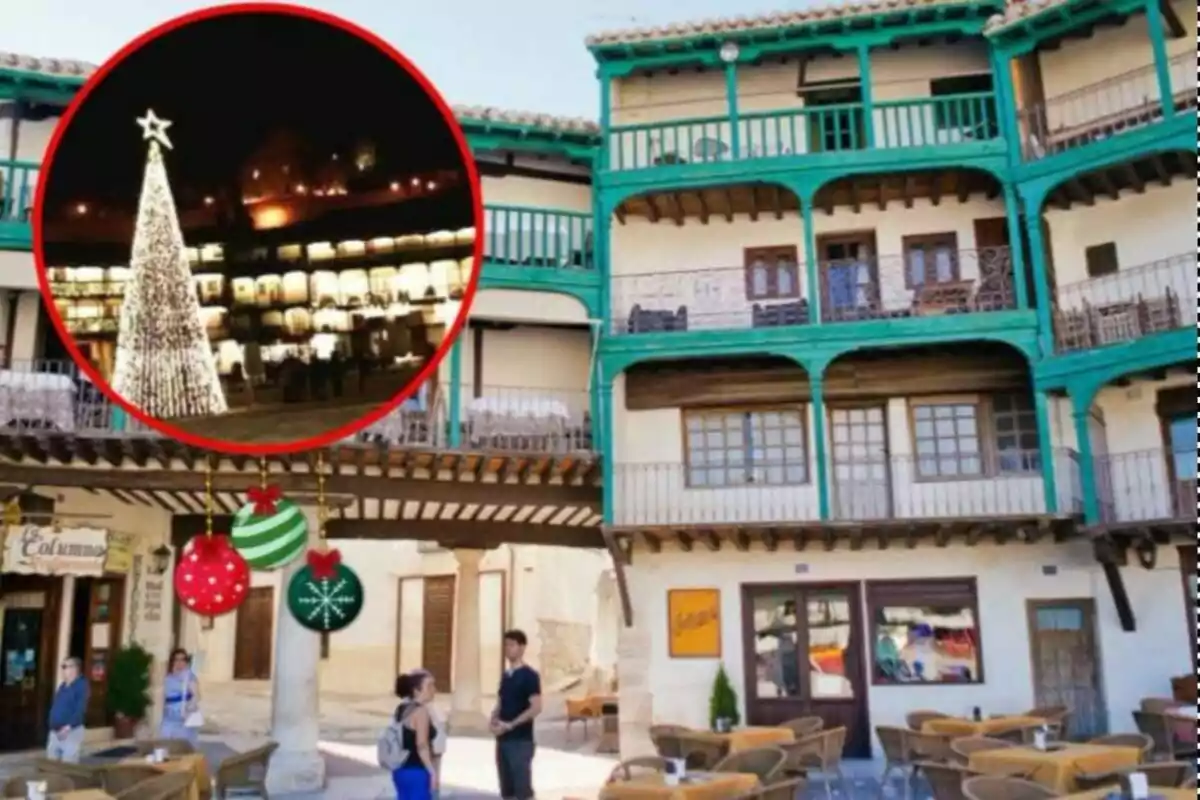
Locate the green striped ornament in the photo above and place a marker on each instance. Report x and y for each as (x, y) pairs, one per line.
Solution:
(270, 541)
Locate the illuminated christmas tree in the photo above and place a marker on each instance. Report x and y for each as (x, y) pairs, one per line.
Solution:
(165, 365)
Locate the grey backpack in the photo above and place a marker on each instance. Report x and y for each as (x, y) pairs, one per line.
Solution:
(389, 750)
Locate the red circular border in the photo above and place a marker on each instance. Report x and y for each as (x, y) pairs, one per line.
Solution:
(454, 330)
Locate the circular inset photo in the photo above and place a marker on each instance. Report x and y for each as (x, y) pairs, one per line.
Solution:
(256, 229)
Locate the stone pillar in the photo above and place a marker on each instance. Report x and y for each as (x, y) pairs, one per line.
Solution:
(635, 701)
(466, 714)
(297, 765)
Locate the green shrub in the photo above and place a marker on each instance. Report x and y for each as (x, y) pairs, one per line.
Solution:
(723, 702)
(129, 682)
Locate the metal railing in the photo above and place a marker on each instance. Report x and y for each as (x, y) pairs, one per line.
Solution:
(537, 237)
(1126, 305)
(1105, 108)
(921, 122)
(1007, 484)
(1155, 485)
(18, 184)
(917, 284)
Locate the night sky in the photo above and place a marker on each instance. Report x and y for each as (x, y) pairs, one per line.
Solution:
(226, 84)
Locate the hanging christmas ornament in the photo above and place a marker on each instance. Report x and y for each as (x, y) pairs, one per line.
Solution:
(211, 578)
(325, 595)
(269, 531)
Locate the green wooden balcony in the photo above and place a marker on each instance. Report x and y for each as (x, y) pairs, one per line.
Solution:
(540, 249)
(18, 184)
(950, 122)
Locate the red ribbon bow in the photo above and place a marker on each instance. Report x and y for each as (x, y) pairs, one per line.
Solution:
(264, 498)
(209, 547)
(324, 565)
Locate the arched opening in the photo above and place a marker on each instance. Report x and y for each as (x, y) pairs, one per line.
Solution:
(1120, 253)
(725, 257)
(914, 244)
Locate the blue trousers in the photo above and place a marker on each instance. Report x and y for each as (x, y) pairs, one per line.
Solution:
(412, 783)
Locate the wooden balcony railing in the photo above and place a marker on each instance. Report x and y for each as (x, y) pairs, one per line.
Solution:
(923, 122)
(536, 237)
(18, 183)
(1105, 108)
(1157, 485)
(917, 284)
(1126, 305)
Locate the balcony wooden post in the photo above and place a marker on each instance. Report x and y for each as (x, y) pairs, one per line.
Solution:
(816, 382)
(1006, 107)
(1041, 406)
(1080, 412)
(731, 98)
(868, 103)
(1033, 200)
(604, 412)
(811, 267)
(605, 115)
(1158, 42)
(455, 400)
(1016, 252)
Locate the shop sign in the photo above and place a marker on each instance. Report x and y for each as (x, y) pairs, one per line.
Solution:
(694, 623)
(119, 558)
(43, 550)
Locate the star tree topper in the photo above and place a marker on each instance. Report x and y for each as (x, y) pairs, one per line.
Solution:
(154, 129)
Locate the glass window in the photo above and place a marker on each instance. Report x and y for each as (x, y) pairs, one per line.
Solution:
(930, 258)
(947, 440)
(924, 632)
(737, 448)
(772, 273)
(1182, 431)
(1014, 426)
(828, 640)
(776, 661)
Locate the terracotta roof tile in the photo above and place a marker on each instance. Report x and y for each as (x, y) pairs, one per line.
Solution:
(1017, 10)
(57, 67)
(780, 19)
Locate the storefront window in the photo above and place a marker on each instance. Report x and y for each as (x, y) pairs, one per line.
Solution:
(924, 632)
(777, 666)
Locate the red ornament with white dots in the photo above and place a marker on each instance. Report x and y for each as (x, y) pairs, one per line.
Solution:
(211, 578)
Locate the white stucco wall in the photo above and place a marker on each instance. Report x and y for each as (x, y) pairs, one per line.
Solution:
(515, 190)
(1007, 577)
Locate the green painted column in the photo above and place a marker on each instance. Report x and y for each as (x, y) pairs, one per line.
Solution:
(1087, 461)
(455, 415)
(1041, 406)
(607, 456)
(864, 76)
(1011, 203)
(812, 269)
(820, 458)
(119, 419)
(1006, 106)
(731, 98)
(1158, 43)
(605, 115)
(1041, 279)
(601, 247)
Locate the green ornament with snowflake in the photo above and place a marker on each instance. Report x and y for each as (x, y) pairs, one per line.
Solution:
(325, 595)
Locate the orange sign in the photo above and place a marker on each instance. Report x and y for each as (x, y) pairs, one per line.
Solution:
(694, 623)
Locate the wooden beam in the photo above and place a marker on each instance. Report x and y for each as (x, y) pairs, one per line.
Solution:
(1116, 587)
(469, 534)
(1133, 179)
(703, 203)
(752, 191)
(1174, 24)
(436, 491)
(620, 560)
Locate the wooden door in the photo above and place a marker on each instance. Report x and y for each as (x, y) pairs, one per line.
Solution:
(862, 486)
(1062, 643)
(991, 232)
(437, 629)
(102, 634)
(1187, 569)
(849, 275)
(804, 658)
(29, 668)
(255, 636)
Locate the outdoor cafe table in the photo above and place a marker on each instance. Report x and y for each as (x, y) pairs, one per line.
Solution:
(747, 738)
(82, 794)
(192, 762)
(1156, 792)
(1056, 768)
(696, 786)
(957, 726)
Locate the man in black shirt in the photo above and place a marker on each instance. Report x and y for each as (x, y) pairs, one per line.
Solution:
(518, 702)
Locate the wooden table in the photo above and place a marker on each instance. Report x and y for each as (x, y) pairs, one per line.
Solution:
(701, 786)
(83, 794)
(1056, 769)
(590, 706)
(193, 762)
(958, 726)
(747, 738)
(1155, 791)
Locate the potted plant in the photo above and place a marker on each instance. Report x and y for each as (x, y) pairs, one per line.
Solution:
(129, 688)
(723, 703)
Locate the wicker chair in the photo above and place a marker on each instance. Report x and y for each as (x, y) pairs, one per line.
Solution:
(917, 719)
(665, 739)
(1166, 774)
(780, 790)
(164, 786)
(765, 762)
(18, 785)
(118, 778)
(246, 770)
(898, 756)
(821, 752)
(174, 747)
(803, 726)
(1160, 730)
(1157, 705)
(964, 746)
(84, 777)
(626, 770)
(702, 752)
(985, 787)
(1139, 740)
(945, 780)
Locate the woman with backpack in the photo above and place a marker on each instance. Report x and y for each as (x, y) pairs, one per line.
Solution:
(414, 772)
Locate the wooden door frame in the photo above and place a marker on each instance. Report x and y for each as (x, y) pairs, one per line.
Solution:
(504, 608)
(850, 404)
(858, 643)
(49, 639)
(1171, 404)
(237, 639)
(1187, 567)
(1090, 619)
(116, 621)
